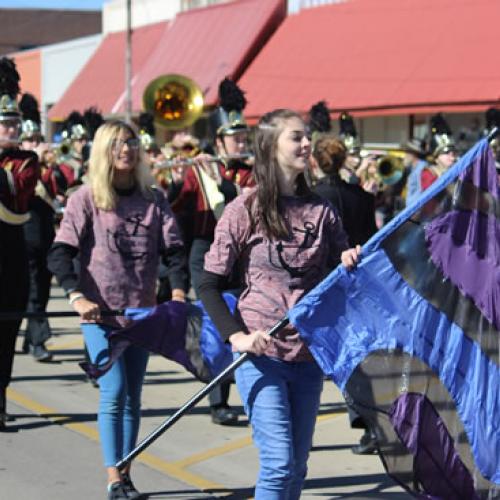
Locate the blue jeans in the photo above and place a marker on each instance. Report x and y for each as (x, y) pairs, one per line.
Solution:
(281, 400)
(119, 393)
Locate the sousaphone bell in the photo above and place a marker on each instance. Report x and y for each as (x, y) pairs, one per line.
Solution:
(175, 101)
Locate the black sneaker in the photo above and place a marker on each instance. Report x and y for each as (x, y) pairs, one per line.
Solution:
(40, 353)
(129, 487)
(117, 492)
(223, 415)
(367, 445)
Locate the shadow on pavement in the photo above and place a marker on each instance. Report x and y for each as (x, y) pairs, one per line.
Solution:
(382, 481)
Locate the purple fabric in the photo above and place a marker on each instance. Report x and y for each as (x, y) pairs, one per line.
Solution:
(437, 465)
(162, 332)
(463, 243)
(483, 173)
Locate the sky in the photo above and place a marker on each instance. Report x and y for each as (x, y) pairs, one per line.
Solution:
(53, 4)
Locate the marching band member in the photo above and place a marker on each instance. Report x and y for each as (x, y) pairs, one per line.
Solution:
(349, 135)
(443, 150)
(319, 124)
(39, 234)
(19, 173)
(414, 162)
(75, 138)
(152, 153)
(182, 146)
(207, 187)
(356, 208)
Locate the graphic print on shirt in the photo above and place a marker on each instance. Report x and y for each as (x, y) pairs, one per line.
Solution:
(294, 256)
(130, 239)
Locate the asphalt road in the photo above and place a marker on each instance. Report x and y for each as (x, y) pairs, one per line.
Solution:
(51, 450)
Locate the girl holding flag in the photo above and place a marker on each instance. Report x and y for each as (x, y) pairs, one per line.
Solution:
(285, 240)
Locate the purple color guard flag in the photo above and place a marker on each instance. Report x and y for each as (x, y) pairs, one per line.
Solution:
(178, 331)
(412, 335)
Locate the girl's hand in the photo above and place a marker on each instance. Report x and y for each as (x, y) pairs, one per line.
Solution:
(88, 310)
(350, 257)
(255, 342)
(371, 186)
(178, 295)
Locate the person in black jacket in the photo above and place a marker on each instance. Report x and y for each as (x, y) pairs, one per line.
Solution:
(39, 234)
(356, 208)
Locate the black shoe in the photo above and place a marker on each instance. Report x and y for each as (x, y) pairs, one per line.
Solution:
(129, 487)
(367, 445)
(224, 415)
(26, 345)
(117, 492)
(40, 353)
(92, 381)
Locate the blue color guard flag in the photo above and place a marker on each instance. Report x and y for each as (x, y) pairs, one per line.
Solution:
(412, 335)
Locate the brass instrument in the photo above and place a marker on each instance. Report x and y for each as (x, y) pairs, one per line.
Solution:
(62, 150)
(390, 169)
(175, 101)
(389, 166)
(187, 162)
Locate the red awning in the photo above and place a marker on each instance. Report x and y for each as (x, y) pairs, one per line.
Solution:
(379, 58)
(205, 45)
(101, 82)
(211, 43)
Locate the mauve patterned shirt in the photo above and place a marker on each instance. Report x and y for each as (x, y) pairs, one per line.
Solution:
(276, 274)
(119, 249)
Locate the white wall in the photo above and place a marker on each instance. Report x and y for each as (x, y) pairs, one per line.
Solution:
(296, 5)
(61, 63)
(114, 13)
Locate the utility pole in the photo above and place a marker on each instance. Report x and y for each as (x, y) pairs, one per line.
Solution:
(128, 65)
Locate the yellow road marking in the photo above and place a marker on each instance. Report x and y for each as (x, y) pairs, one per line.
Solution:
(172, 469)
(238, 444)
(66, 345)
(175, 469)
(51, 414)
(215, 452)
(331, 416)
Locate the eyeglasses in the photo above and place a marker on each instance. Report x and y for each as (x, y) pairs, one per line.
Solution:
(132, 143)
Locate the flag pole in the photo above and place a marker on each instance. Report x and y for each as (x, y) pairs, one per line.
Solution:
(15, 315)
(492, 134)
(153, 436)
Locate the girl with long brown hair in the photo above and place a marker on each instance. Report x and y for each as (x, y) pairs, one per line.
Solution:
(285, 240)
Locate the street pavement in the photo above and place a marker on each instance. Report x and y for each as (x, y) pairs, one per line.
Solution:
(51, 450)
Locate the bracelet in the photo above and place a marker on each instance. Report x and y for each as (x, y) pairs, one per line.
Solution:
(76, 297)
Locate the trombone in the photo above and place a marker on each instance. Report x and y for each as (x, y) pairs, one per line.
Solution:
(187, 162)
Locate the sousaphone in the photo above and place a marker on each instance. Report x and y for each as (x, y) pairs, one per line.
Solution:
(175, 101)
